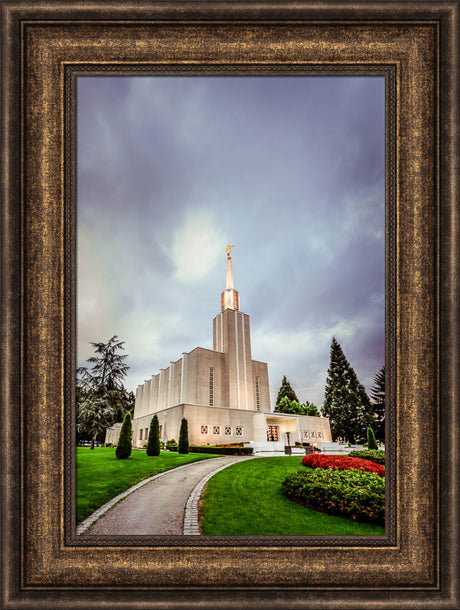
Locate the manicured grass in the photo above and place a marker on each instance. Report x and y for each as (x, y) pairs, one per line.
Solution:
(246, 499)
(100, 476)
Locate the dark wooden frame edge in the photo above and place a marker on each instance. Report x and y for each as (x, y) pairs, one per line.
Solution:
(445, 595)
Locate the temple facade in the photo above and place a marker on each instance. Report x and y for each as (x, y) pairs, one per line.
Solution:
(223, 393)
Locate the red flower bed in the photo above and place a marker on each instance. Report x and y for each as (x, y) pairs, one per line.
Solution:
(342, 462)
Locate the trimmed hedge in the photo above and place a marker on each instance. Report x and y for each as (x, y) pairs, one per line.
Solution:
(218, 450)
(348, 493)
(373, 455)
(342, 462)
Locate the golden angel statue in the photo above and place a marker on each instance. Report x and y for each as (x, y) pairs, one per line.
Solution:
(229, 250)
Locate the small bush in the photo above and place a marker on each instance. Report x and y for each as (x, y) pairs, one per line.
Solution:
(373, 455)
(342, 462)
(183, 437)
(349, 493)
(123, 450)
(171, 443)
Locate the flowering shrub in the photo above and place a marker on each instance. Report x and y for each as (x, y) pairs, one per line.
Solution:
(374, 455)
(349, 493)
(342, 462)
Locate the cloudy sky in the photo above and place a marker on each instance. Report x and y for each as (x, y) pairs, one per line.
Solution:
(172, 169)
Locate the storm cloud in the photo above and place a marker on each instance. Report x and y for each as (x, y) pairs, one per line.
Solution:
(171, 169)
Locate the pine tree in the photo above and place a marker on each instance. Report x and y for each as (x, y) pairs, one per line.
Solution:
(124, 446)
(183, 437)
(371, 442)
(286, 390)
(378, 403)
(346, 403)
(154, 445)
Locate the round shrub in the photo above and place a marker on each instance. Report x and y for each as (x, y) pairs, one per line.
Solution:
(348, 493)
(373, 455)
(342, 462)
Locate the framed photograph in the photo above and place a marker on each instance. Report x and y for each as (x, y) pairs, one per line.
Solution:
(199, 158)
(52, 53)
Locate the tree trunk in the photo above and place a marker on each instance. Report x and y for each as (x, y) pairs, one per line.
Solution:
(93, 440)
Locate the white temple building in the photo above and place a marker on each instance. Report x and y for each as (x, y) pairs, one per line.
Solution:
(223, 393)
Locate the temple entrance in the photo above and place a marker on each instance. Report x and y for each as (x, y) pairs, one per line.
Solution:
(273, 433)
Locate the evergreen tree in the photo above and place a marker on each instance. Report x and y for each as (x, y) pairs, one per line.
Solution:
(371, 442)
(124, 446)
(183, 437)
(104, 378)
(154, 445)
(346, 403)
(378, 403)
(286, 390)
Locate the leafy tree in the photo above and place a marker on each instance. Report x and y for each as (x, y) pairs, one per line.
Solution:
(286, 390)
(310, 409)
(154, 445)
(378, 403)
(371, 442)
(346, 403)
(293, 406)
(183, 437)
(94, 416)
(124, 446)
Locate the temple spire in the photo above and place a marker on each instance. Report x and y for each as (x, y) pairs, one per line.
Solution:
(229, 297)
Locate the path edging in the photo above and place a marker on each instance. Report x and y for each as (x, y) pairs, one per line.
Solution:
(191, 520)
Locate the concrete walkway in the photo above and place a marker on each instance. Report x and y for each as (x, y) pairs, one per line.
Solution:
(158, 507)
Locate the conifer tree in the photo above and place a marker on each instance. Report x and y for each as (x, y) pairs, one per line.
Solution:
(286, 390)
(124, 446)
(378, 403)
(346, 403)
(183, 437)
(154, 445)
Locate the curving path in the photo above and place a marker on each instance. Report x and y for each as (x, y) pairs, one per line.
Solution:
(158, 507)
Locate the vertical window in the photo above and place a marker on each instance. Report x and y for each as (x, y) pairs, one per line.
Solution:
(257, 394)
(211, 387)
(140, 434)
(146, 433)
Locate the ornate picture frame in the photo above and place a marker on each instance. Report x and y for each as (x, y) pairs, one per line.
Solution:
(44, 47)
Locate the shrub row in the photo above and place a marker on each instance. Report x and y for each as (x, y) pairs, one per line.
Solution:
(342, 462)
(349, 493)
(374, 455)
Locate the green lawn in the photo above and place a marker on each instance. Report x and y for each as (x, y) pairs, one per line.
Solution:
(100, 476)
(246, 499)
